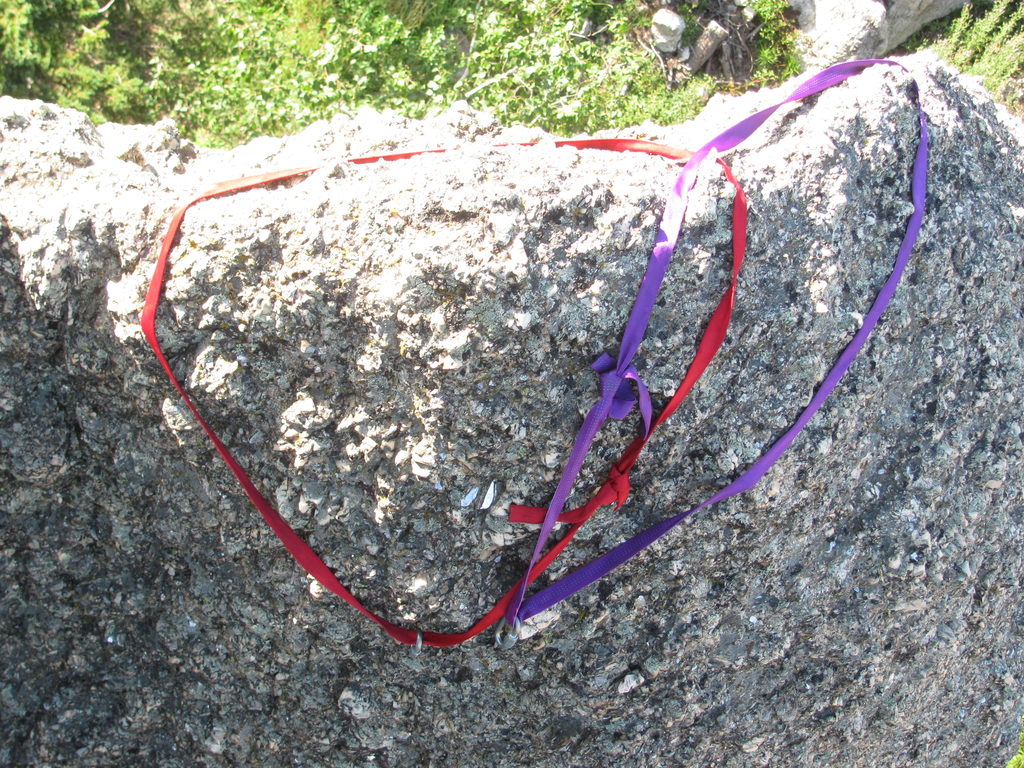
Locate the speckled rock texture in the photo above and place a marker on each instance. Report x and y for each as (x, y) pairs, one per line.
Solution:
(397, 352)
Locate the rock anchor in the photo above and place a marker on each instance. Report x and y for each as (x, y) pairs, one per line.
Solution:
(376, 342)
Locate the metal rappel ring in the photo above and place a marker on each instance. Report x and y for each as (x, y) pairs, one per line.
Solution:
(506, 636)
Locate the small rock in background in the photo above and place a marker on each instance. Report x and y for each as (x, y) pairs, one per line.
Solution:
(838, 30)
(667, 30)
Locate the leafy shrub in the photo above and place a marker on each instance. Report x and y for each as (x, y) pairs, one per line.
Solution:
(32, 36)
(63, 51)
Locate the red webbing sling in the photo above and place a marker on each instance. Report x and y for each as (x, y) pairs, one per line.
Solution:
(614, 490)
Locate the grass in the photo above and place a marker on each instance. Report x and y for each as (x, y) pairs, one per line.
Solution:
(985, 38)
(990, 44)
(228, 70)
(775, 43)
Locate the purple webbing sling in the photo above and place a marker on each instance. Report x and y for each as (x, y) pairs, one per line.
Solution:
(618, 376)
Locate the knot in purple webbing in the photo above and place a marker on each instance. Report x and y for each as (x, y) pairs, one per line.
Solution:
(672, 220)
(616, 401)
(623, 384)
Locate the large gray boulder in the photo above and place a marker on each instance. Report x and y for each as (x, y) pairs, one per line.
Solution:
(375, 342)
(838, 30)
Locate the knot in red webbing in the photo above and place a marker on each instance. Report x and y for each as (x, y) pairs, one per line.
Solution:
(618, 481)
(619, 380)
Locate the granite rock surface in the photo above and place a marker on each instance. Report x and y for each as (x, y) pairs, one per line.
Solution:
(838, 30)
(398, 351)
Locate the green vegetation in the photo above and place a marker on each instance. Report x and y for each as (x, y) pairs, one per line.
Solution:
(227, 70)
(1018, 761)
(272, 69)
(61, 50)
(986, 38)
(990, 44)
(776, 42)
